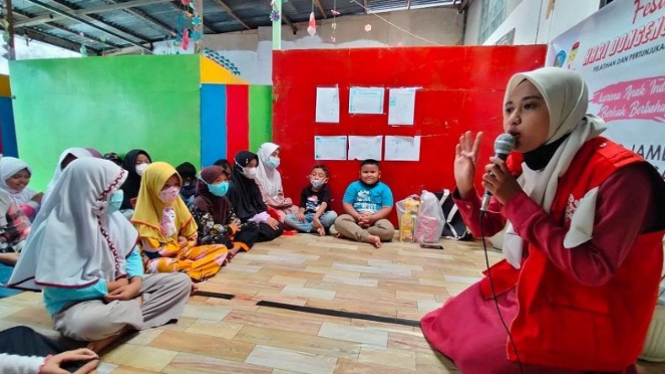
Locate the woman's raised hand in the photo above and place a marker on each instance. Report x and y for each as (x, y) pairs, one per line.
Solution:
(466, 154)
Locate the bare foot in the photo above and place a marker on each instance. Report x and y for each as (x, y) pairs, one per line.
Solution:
(373, 240)
(99, 345)
(195, 288)
(321, 231)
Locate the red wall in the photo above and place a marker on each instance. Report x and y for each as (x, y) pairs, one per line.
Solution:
(462, 89)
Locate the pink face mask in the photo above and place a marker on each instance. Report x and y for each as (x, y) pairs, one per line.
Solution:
(169, 195)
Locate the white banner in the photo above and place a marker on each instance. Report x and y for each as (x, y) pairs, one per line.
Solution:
(620, 50)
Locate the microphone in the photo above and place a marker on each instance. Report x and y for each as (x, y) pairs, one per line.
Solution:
(503, 145)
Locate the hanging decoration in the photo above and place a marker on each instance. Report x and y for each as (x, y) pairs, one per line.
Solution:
(83, 50)
(275, 16)
(368, 27)
(185, 39)
(311, 29)
(189, 28)
(335, 13)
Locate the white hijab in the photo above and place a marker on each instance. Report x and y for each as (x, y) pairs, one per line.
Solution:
(77, 243)
(5, 203)
(8, 167)
(76, 152)
(567, 98)
(270, 179)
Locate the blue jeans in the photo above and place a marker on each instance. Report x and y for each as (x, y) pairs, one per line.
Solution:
(327, 219)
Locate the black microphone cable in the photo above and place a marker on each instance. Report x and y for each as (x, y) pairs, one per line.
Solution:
(496, 302)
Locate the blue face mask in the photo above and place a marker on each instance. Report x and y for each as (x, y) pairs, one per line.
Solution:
(115, 202)
(273, 162)
(219, 189)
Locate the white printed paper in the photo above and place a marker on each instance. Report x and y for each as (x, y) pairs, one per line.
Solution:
(365, 147)
(402, 148)
(401, 106)
(366, 100)
(327, 104)
(330, 147)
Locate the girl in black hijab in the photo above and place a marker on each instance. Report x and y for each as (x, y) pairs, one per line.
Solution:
(246, 198)
(135, 162)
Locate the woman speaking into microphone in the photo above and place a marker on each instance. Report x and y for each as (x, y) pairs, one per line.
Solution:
(583, 243)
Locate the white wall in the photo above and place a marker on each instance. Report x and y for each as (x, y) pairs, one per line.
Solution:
(33, 50)
(530, 21)
(251, 51)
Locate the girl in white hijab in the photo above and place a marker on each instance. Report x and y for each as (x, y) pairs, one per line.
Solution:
(66, 157)
(82, 252)
(583, 245)
(14, 178)
(269, 181)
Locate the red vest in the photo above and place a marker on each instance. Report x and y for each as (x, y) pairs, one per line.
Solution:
(562, 323)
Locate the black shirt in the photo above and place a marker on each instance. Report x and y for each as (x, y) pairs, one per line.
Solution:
(311, 200)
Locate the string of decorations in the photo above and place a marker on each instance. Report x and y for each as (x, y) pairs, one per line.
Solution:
(368, 27)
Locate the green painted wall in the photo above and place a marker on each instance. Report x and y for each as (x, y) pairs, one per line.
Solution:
(113, 104)
(260, 116)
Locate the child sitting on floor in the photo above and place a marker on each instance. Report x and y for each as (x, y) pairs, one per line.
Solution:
(187, 172)
(84, 256)
(14, 178)
(314, 212)
(212, 210)
(367, 204)
(167, 230)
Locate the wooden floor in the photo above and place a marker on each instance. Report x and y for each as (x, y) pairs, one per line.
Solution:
(238, 336)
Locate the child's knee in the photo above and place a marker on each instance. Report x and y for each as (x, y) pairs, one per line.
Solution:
(86, 327)
(291, 219)
(344, 218)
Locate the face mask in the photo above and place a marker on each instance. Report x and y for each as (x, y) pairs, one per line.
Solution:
(169, 195)
(219, 189)
(140, 168)
(273, 162)
(249, 173)
(316, 183)
(116, 201)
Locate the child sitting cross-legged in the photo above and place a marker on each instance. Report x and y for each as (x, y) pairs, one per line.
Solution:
(367, 204)
(314, 213)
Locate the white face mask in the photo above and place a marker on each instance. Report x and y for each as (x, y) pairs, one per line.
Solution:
(140, 168)
(250, 173)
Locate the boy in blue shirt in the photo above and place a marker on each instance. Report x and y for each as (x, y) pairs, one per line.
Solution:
(367, 204)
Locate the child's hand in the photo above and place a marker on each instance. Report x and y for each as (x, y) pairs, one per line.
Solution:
(234, 227)
(364, 221)
(38, 198)
(301, 216)
(182, 242)
(273, 223)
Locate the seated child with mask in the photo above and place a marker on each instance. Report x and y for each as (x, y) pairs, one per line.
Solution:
(214, 215)
(314, 213)
(246, 198)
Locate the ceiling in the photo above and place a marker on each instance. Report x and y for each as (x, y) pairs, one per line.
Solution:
(117, 26)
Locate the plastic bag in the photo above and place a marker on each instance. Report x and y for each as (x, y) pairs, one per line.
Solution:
(407, 216)
(430, 221)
